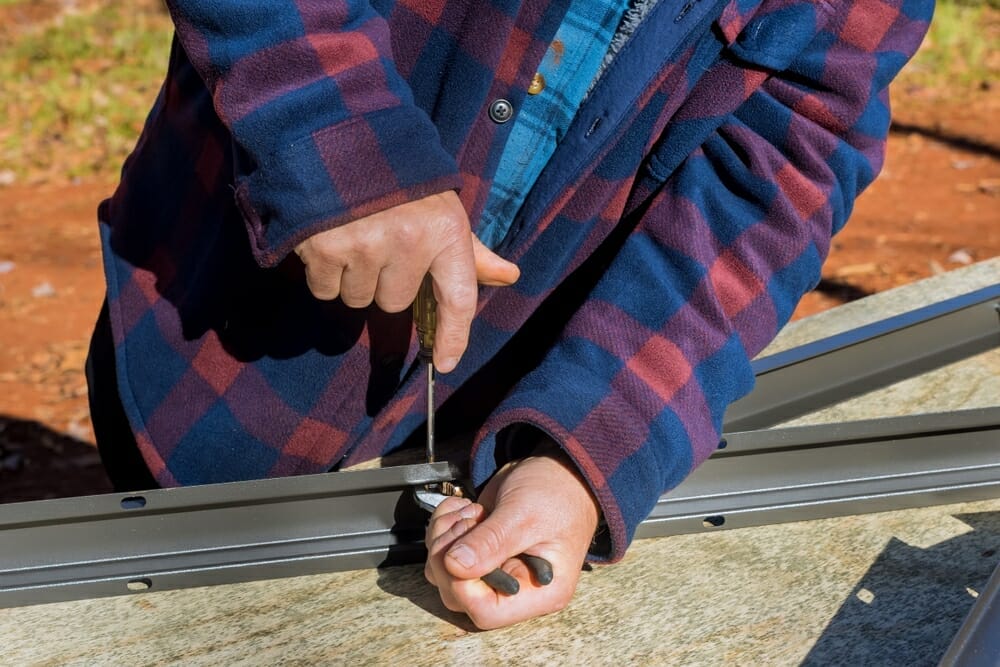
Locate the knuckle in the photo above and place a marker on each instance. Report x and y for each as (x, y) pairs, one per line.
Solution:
(326, 248)
(366, 249)
(408, 233)
(456, 217)
(460, 297)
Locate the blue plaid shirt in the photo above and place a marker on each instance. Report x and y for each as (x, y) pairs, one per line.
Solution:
(566, 73)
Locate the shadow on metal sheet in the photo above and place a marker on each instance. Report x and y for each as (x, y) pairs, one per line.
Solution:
(912, 601)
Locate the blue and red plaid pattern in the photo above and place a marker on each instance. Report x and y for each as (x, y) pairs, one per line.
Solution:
(685, 211)
(568, 70)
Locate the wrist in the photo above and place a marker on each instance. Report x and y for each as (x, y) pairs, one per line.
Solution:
(525, 441)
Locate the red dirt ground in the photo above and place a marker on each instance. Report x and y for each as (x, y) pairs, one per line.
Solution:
(935, 207)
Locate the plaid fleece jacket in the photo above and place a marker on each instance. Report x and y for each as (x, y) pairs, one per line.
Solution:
(684, 213)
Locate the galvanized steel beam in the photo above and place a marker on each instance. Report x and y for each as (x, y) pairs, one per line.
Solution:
(827, 371)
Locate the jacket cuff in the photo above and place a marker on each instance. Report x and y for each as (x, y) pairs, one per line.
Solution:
(626, 494)
(339, 174)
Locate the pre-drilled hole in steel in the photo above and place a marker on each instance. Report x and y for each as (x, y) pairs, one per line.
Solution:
(713, 521)
(139, 585)
(133, 502)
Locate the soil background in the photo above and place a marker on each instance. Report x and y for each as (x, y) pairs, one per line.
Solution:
(935, 207)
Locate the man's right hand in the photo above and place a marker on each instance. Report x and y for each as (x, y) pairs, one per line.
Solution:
(383, 258)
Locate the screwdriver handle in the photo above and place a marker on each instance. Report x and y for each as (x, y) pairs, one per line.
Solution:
(425, 317)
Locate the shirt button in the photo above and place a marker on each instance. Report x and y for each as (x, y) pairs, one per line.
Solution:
(501, 111)
(537, 84)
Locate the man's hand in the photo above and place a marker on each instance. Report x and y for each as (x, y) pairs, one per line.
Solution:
(383, 258)
(538, 506)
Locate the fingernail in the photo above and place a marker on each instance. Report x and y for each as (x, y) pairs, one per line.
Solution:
(464, 555)
(467, 511)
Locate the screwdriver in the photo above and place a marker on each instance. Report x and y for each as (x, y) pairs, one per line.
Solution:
(425, 319)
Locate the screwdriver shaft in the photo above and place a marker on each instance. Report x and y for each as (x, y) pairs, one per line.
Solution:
(430, 412)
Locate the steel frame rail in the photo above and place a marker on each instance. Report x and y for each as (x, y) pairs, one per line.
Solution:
(815, 472)
(977, 643)
(112, 544)
(815, 375)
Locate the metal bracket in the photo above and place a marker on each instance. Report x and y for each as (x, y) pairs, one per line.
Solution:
(95, 546)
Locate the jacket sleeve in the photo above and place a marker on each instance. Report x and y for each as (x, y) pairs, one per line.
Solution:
(325, 129)
(731, 235)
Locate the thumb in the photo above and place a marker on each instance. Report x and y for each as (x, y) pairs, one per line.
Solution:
(488, 545)
(491, 268)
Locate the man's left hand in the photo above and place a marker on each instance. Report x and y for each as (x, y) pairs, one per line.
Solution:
(538, 506)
